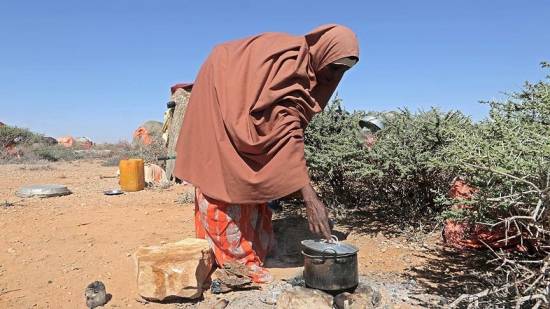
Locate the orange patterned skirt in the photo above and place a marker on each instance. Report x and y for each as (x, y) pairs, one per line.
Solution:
(236, 233)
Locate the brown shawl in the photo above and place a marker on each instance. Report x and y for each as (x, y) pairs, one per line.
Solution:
(242, 139)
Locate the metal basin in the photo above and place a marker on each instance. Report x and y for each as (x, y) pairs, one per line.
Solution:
(113, 192)
(47, 190)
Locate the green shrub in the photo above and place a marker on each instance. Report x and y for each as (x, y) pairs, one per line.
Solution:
(56, 153)
(8, 134)
(409, 170)
(507, 158)
(333, 147)
(32, 147)
(149, 153)
(400, 173)
(405, 166)
(509, 153)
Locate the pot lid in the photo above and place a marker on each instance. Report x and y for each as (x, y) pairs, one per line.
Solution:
(322, 246)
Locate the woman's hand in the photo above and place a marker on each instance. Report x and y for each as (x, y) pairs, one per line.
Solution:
(317, 214)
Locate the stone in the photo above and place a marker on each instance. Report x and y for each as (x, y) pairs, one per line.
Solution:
(226, 280)
(304, 298)
(95, 294)
(221, 304)
(180, 269)
(366, 291)
(342, 300)
(210, 304)
(364, 296)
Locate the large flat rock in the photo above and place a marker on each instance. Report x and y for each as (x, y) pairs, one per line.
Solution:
(180, 269)
(304, 298)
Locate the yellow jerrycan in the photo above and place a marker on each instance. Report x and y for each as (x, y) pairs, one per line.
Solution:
(132, 176)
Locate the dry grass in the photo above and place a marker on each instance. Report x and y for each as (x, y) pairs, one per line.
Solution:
(122, 151)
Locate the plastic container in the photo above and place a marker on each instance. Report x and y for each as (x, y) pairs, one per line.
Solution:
(132, 176)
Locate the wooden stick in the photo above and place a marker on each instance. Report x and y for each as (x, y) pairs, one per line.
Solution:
(9, 291)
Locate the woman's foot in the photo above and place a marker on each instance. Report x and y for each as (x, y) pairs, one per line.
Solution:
(259, 274)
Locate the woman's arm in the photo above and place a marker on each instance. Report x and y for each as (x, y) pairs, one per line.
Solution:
(317, 214)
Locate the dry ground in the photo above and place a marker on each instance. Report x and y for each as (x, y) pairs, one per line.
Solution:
(51, 249)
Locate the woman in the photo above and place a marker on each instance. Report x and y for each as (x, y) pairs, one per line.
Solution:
(242, 141)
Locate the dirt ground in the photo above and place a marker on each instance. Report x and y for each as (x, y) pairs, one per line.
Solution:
(51, 249)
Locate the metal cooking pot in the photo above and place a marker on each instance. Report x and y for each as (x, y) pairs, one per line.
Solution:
(330, 266)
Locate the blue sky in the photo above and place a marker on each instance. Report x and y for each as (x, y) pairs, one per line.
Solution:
(100, 68)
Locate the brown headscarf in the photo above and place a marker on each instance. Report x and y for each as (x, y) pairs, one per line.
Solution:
(242, 137)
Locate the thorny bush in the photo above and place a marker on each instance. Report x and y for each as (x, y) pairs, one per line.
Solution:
(9, 135)
(18, 145)
(507, 158)
(400, 172)
(149, 153)
(408, 171)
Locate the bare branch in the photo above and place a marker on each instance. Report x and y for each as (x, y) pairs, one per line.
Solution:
(488, 169)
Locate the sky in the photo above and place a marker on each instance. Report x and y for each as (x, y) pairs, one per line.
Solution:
(101, 68)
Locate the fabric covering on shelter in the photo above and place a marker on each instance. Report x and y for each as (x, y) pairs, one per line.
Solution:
(242, 137)
(184, 86)
(148, 132)
(462, 234)
(66, 141)
(85, 142)
(141, 134)
(154, 174)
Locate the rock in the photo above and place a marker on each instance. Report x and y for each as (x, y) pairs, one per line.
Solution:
(95, 293)
(224, 280)
(221, 304)
(180, 269)
(363, 297)
(209, 304)
(297, 280)
(342, 300)
(304, 298)
(366, 291)
(231, 277)
(236, 269)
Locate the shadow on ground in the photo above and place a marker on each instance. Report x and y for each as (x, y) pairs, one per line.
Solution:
(290, 229)
(445, 274)
(375, 219)
(448, 273)
(369, 221)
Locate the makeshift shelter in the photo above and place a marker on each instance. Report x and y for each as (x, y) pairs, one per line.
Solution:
(154, 174)
(148, 132)
(85, 142)
(463, 234)
(66, 141)
(48, 140)
(180, 98)
(11, 149)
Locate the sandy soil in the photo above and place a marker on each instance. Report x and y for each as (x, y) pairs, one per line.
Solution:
(51, 249)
